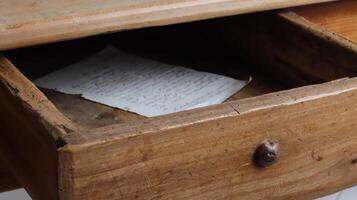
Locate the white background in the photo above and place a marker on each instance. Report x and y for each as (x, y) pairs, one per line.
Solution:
(348, 194)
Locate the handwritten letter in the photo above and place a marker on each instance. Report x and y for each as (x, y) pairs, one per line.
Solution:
(140, 85)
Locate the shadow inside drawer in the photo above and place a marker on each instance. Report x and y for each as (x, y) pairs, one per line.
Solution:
(203, 46)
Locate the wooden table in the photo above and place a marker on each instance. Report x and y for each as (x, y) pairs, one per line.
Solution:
(57, 147)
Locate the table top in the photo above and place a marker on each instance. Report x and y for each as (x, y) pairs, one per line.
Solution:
(30, 22)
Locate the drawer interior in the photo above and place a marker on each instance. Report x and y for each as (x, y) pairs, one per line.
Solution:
(179, 45)
(219, 46)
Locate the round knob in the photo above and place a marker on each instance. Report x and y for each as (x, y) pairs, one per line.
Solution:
(266, 154)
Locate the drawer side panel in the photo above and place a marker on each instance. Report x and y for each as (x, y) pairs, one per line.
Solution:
(30, 127)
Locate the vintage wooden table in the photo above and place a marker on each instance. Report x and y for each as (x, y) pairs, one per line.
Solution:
(61, 146)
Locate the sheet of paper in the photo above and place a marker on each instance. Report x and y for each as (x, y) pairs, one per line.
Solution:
(140, 85)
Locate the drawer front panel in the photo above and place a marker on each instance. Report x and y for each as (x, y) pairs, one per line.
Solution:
(210, 156)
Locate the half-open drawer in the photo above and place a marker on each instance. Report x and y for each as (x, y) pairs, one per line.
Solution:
(62, 146)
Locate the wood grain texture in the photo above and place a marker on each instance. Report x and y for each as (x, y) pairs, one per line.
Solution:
(290, 48)
(337, 17)
(29, 22)
(7, 180)
(30, 127)
(207, 153)
(87, 113)
(203, 153)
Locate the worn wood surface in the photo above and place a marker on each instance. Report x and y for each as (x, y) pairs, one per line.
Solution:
(337, 17)
(28, 22)
(207, 153)
(203, 153)
(30, 127)
(7, 180)
(289, 48)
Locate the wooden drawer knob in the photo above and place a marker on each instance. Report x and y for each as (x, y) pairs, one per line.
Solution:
(266, 154)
